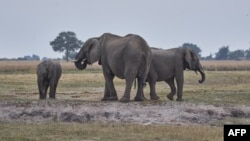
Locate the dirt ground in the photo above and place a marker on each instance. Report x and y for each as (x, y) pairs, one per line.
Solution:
(144, 113)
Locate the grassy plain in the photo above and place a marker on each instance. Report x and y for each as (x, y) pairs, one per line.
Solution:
(222, 87)
(106, 132)
(226, 65)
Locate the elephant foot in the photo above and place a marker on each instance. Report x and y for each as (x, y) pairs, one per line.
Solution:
(105, 99)
(155, 97)
(170, 97)
(42, 97)
(124, 99)
(139, 98)
(52, 97)
(179, 99)
(114, 98)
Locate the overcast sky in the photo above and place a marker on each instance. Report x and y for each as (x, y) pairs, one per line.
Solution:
(27, 26)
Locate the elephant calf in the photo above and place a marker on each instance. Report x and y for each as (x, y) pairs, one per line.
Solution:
(48, 75)
(168, 65)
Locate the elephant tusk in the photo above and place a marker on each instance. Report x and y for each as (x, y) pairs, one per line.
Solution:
(83, 60)
(72, 60)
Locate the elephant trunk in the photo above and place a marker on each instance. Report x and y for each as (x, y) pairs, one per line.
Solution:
(80, 64)
(203, 76)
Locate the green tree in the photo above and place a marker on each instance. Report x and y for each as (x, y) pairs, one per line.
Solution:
(66, 42)
(223, 53)
(247, 54)
(194, 47)
(72, 54)
(237, 54)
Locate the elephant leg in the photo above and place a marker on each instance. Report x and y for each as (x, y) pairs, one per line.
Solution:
(52, 92)
(130, 76)
(126, 96)
(153, 95)
(179, 81)
(106, 93)
(109, 92)
(54, 96)
(46, 89)
(42, 91)
(172, 88)
(140, 95)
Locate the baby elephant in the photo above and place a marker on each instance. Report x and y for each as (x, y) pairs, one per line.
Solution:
(48, 75)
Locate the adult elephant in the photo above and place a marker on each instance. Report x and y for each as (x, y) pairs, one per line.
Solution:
(48, 75)
(168, 65)
(127, 57)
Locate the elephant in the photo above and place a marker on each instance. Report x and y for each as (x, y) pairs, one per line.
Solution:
(48, 75)
(126, 57)
(168, 65)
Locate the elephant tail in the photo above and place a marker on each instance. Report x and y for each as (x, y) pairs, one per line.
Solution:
(148, 58)
(135, 83)
(136, 79)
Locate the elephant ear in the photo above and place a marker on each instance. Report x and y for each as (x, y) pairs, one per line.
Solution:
(188, 57)
(94, 51)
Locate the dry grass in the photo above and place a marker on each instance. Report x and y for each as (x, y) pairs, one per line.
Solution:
(107, 132)
(226, 65)
(18, 66)
(69, 67)
(30, 67)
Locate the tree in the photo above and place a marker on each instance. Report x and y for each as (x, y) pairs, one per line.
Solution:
(72, 54)
(194, 47)
(223, 53)
(209, 57)
(237, 54)
(33, 57)
(66, 41)
(247, 54)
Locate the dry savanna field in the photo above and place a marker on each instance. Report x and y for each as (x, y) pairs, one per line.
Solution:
(79, 114)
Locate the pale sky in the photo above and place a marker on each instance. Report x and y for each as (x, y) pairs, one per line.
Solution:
(27, 26)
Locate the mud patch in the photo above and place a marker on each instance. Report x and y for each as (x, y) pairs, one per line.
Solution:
(138, 113)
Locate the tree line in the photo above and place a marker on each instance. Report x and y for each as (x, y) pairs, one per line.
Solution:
(223, 53)
(67, 43)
